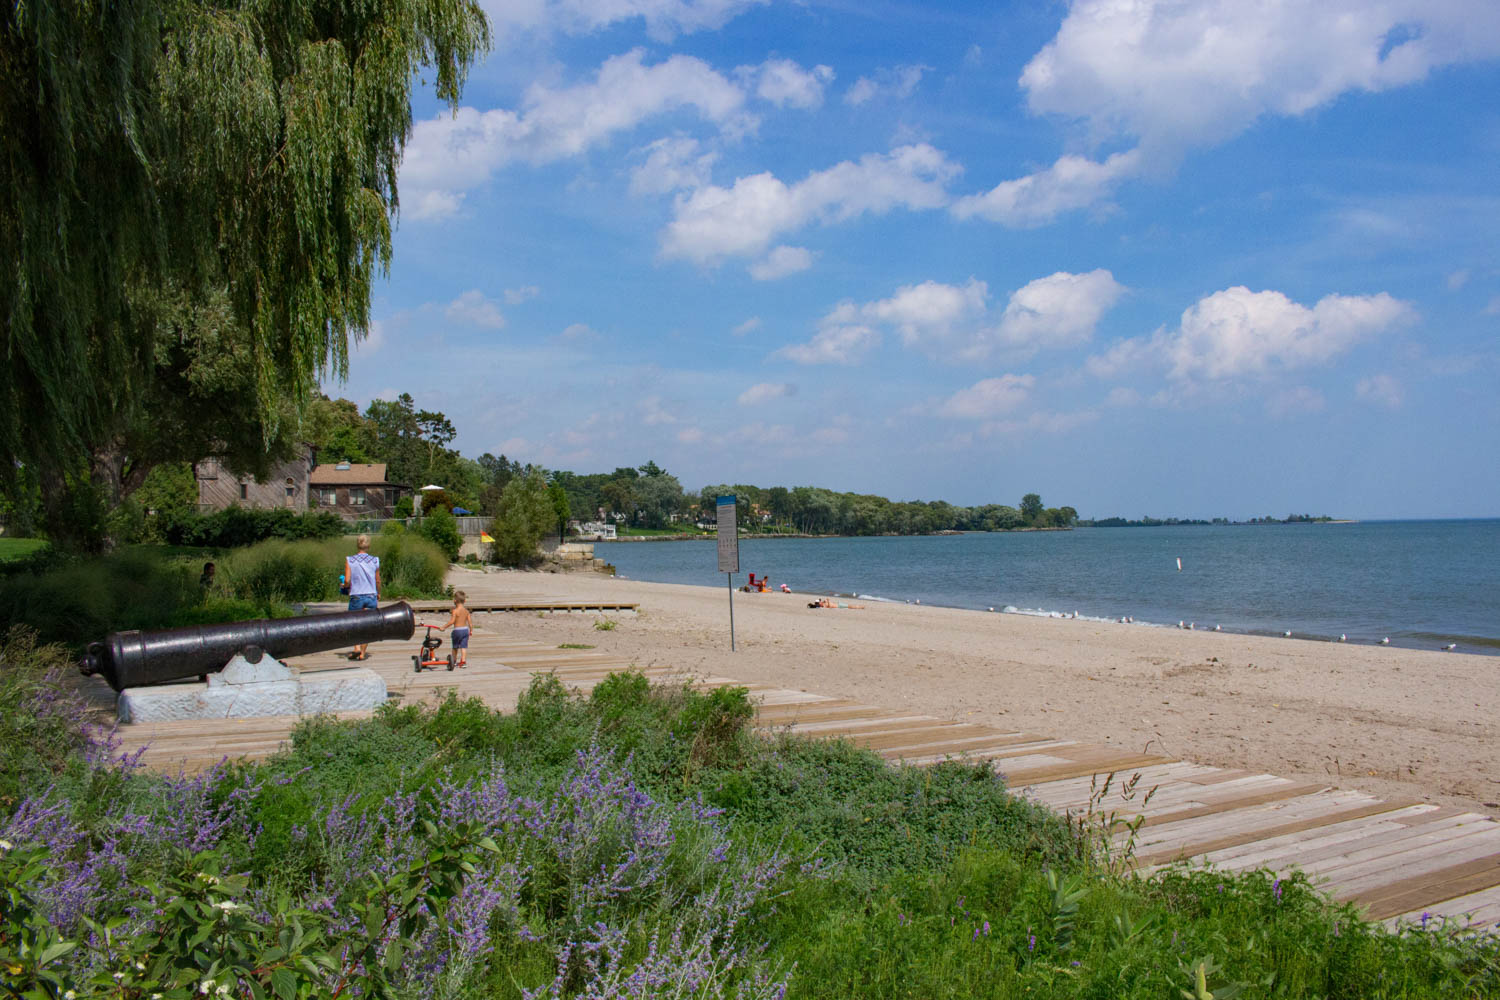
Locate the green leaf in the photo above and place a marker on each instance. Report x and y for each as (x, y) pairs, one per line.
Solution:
(54, 951)
(284, 983)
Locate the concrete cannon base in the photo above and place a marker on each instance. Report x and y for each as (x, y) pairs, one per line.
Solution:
(244, 690)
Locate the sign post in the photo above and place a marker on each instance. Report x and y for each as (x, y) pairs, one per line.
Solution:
(729, 551)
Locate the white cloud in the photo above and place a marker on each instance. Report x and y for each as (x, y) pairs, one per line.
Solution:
(1072, 182)
(1060, 310)
(1239, 333)
(1176, 73)
(989, 397)
(750, 325)
(956, 322)
(664, 19)
(690, 435)
(931, 312)
(473, 309)
(715, 222)
(450, 154)
(1382, 390)
(1458, 279)
(897, 82)
(515, 296)
(841, 339)
(781, 262)
(1295, 401)
(578, 331)
(763, 392)
(673, 164)
(1122, 396)
(784, 83)
(1169, 75)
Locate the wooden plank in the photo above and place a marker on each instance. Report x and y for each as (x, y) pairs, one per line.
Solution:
(1198, 848)
(1479, 908)
(1449, 882)
(1355, 879)
(1312, 845)
(1074, 769)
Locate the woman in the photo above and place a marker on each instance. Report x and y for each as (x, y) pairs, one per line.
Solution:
(362, 570)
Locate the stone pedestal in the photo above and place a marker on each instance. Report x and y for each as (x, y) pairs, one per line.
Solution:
(245, 690)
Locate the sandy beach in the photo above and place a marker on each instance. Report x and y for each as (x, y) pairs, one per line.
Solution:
(1402, 724)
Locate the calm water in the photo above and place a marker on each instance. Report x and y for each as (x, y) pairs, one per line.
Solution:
(1422, 583)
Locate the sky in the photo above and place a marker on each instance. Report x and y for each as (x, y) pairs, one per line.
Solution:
(1194, 258)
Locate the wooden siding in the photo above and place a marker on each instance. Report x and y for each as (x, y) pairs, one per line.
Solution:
(218, 487)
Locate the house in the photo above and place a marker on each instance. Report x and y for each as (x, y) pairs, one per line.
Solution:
(595, 531)
(287, 486)
(355, 490)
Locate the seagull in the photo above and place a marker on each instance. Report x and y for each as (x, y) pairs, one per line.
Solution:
(1386, 641)
(1450, 647)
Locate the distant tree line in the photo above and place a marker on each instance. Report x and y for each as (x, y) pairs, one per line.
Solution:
(1154, 522)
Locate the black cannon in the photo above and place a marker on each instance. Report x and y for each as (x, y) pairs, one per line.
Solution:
(135, 658)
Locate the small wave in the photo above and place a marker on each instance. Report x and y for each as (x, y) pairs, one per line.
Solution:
(879, 600)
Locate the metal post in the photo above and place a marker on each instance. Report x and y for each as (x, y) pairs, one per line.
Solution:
(729, 578)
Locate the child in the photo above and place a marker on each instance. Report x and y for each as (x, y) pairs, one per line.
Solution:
(461, 621)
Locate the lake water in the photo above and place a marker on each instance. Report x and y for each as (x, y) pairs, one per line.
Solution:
(1423, 584)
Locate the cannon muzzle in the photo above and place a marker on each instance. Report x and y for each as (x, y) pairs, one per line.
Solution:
(135, 658)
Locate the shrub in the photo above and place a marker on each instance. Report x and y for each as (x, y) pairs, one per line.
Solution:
(79, 600)
(238, 526)
(278, 571)
(441, 529)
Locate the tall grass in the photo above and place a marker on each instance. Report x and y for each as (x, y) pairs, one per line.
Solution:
(278, 571)
(79, 601)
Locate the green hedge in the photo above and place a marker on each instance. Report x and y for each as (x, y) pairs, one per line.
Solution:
(278, 571)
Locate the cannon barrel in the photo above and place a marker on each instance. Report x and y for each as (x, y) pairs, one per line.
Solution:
(135, 658)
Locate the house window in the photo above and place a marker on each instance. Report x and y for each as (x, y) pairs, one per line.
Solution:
(328, 497)
(244, 491)
(356, 496)
(291, 487)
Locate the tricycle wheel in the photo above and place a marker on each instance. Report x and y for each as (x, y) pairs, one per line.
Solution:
(416, 664)
(450, 661)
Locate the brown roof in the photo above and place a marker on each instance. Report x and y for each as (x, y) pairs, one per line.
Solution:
(348, 474)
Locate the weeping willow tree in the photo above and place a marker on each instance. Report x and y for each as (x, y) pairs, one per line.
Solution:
(198, 197)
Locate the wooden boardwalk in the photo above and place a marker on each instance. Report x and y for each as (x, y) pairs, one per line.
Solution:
(1397, 859)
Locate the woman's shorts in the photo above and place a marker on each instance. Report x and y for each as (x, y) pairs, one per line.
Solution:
(460, 638)
(358, 602)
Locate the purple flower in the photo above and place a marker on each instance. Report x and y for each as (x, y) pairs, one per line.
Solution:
(1276, 889)
(986, 928)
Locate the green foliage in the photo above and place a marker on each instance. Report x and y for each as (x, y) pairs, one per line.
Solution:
(17, 549)
(525, 514)
(236, 526)
(157, 153)
(81, 600)
(277, 571)
(39, 724)
(403, 508)
(441, 529)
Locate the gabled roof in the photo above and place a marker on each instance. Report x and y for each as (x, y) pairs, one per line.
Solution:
(348, 474)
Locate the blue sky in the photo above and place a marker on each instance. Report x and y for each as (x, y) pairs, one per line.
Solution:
(1206, 257)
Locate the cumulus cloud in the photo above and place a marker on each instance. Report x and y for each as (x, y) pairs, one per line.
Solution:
(1164, 76)
(578, 331)
(1382, 390)
(956, 321)
(1073, 182)
(841, 339)
(715, 222)
(763, 392)
(515, 296)
(1238, 333)
(786, 84)
(673, 164)
(750, 325)
(781, 262)
(473, 309)
(664, 19)
(897, 82)
(451, 154)
(989, 397)
(653, 413)
(1458, 279)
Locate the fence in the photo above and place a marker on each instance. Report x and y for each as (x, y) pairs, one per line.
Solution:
(467, 526)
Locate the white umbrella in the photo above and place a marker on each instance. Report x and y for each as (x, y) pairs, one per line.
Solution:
(430, 486)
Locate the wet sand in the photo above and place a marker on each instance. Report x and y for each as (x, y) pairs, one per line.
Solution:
(1402, 724)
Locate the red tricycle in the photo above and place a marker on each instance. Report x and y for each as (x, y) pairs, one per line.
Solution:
(427, 658)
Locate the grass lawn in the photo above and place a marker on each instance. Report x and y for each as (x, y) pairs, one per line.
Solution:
(19, 548)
